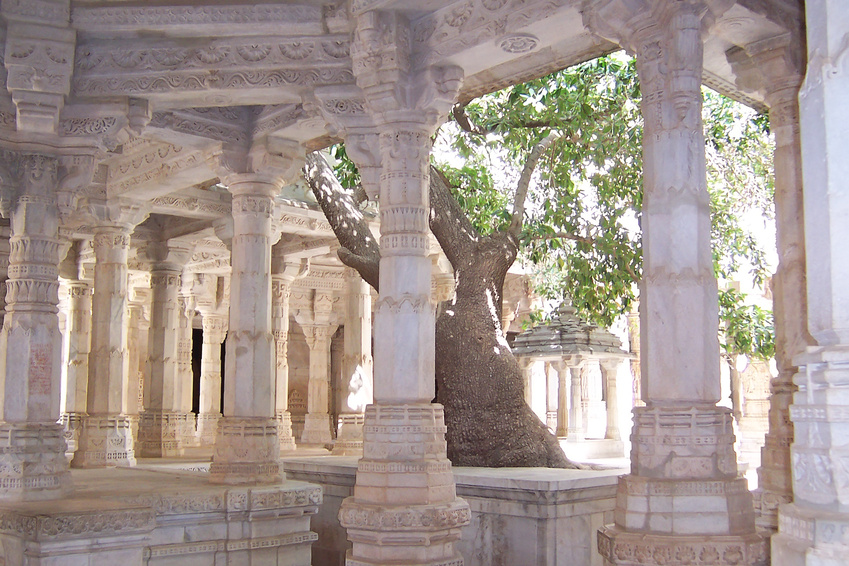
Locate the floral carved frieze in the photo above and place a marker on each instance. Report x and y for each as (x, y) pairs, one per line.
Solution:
(105, 68)
(78, 525)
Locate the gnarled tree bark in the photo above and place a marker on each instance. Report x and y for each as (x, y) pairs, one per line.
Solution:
(478, 380)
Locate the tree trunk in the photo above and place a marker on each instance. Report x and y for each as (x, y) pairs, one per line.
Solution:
(478, 380)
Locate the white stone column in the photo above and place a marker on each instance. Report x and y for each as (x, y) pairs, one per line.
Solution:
(106, 435)
(79, 344)
(551, 396)
(32, 446)
(683, 494)
(247, 446)
(404, 479)
(813, 529)
(357, 367)
(214, 332)
(186, 315)
(281, 289)
(775, 67)
(137, 337)
(575, 430)
(562, 399)
(159, 424)
(317, 420)
(609, 370)
(5, 234)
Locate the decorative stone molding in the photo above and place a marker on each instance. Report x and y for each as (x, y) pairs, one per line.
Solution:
(246, 451)
(631, 549)
(32, 461)
(77, 525)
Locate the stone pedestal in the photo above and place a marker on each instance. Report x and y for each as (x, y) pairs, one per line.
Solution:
(683, 501)
(246, 451)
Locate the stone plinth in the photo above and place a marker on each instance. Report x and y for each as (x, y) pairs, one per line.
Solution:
(246, 451)
(104, 441)
(159, 434)
(136, 517)
(33, 461)
(349, 439)
(519, 516)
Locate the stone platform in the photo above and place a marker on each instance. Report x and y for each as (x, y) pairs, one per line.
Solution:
(539, 516)
(162, 517)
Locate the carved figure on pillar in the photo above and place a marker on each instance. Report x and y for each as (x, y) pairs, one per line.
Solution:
(683, 479)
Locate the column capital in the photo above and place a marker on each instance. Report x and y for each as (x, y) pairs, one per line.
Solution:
(394, 91)
(774, 67)
(244, 169)
(170, 255)
(641, 26)
(118, 215)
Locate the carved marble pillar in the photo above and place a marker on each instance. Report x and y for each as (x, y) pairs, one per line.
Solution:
(214, 332)
(5, 234)
(79, 345)
(357, 367)
(775, 68)
(562, 399)
(404, 471)
(186, 315)
(551, 396)
(317, 420)
(106, 435)
(159, 424)
(812, 530)
(683, 496)
(609, 369)
(32, 444)
(283, 274)
(575, 430)
(246, 445)
(137, 337)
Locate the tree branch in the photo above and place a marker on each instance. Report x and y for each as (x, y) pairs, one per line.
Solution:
(360, 250)
(448, 222)
(525, 181)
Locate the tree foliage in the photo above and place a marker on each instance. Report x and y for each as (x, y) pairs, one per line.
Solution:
(580, 234)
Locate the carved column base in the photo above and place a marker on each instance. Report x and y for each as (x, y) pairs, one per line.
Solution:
(623, 548)
(105, 441)
(134, 427)
(71, 423)
(405, 509)
(316, 429)
(284, 431)
(813, 537)
(775, 485)
(188, 430)
(207, 428)
(32, 462)
(247, 450)
(160, 434)
(349, 439)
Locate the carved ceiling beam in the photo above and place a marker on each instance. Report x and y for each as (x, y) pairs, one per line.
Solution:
(206, 21)
(211, 72)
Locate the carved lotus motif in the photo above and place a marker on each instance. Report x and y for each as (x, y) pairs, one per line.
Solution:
(129, 58)
(253, 53)
(212, 54)
(297, 50)
(169, 57)
(336, 49)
